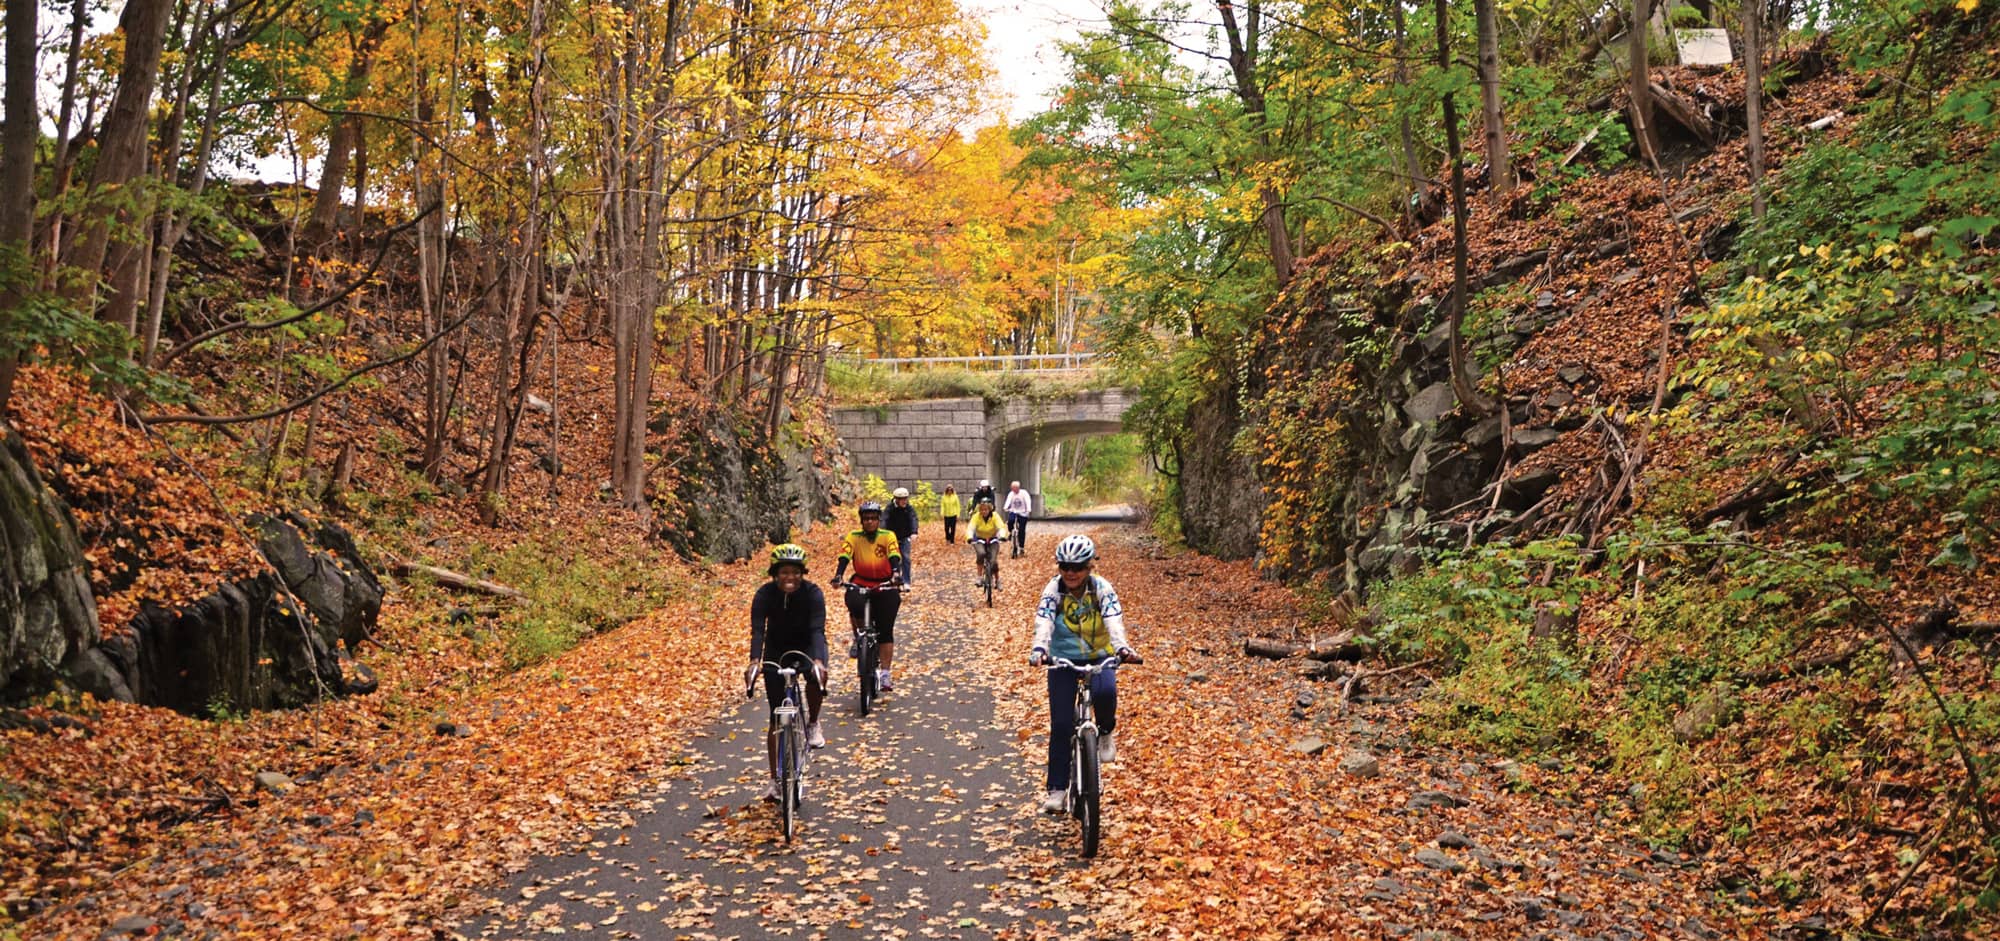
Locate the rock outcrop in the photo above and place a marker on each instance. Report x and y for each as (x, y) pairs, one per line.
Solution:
(273, 640)
(743, 493)
(47, 615)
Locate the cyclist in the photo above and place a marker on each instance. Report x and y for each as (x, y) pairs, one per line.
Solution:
(1079, 619)
(985, 492)
(1019, 504)
(788, 615)
(875, 556)
(985, 529)
(902, 520)
(949, 510)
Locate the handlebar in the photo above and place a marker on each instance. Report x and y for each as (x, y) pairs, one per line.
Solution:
(785, 673)
(1113, 662)
(873, 590)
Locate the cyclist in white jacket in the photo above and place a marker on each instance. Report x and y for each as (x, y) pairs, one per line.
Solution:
(1080, 620)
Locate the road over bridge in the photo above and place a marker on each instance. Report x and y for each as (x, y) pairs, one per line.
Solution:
(959, 441)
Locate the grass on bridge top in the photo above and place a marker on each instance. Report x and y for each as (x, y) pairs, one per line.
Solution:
(873, 385)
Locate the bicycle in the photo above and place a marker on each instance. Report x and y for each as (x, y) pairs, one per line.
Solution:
(790, 736)
(866, 656)
(988, 550)
(1085, 786)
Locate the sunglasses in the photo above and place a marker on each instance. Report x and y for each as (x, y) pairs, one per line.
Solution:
(1074, 566)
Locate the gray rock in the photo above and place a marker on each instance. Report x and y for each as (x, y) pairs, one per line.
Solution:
(1530, 440)
(1712, 711)
(1310, 745)
(1430, 404)
(1485, 432)
(1427, 799)
(1436, 860)
(1305, 700)
(94, 672)
(1572, 374)
(275, 782)
(1361, 764)
(1197, 677)
(131, 924)
(1454, 840)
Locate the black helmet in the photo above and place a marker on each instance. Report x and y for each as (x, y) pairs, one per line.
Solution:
(870, 507)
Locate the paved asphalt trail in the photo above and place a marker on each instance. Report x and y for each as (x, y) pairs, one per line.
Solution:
(912, 819)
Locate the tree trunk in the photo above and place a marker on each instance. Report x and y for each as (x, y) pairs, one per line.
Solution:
(1489, 96)
(121, 159)
(1243, 41)
(1753, 87)
(1413, 172)
(17, 178)
(1461, 371)
(1640, 80)
(65, 115)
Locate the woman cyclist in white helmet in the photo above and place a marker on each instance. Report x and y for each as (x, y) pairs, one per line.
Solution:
(1080, 620)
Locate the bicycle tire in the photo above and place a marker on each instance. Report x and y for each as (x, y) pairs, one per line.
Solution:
(788, 779)
(869, 657)
(1084, 803)
(990, 576)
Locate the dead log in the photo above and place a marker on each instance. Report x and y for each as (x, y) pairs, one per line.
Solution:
(1340, 646)
(1685, 113)
(451, 579)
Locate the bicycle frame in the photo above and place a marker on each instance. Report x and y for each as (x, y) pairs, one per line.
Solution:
(989, 550)
(1085, 786)
(865, 642)
(788, 733)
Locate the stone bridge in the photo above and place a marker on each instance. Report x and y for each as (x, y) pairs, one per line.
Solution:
(961, 441)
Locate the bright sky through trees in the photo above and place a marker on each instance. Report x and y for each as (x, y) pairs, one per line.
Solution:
(1021, 37)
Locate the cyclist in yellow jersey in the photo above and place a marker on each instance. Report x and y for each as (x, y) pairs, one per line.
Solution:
(986, 527)
(873, 552)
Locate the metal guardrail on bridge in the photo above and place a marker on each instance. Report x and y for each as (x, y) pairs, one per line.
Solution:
(1030, 362)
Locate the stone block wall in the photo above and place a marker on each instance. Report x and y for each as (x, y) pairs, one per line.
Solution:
(941, 440)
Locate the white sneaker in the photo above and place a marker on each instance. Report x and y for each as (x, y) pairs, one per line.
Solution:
(770, 795)
(1107, 749)
(882, 681)
(1055, 802)
(814, 737)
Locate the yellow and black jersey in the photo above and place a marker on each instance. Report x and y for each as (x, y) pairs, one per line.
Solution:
(874, 557)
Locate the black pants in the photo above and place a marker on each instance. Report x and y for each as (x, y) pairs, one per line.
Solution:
(951, 529)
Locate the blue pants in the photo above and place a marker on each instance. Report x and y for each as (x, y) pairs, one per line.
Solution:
(1062, 717)
(903, 546)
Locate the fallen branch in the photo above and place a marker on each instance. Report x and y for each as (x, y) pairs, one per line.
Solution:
(1340, 646)
(451, 579)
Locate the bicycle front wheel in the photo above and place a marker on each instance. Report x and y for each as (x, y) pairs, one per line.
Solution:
(1085, 793)
(788, 779)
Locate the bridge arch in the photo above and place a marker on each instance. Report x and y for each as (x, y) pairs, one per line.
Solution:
(960, 441)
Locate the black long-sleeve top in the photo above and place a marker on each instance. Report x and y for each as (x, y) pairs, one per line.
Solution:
(901, 519)
(795, 621)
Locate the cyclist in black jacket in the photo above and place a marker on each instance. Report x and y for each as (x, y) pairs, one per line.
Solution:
(788, 614)
(902, 520)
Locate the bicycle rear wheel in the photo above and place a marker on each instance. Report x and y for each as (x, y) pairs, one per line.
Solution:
(1084, 796)
(866, 664)
(992, 575)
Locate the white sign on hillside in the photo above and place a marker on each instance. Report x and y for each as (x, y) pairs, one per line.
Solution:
(1703, 46)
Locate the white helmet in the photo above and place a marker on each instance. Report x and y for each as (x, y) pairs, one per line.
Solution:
(983, 482)
(1075, 550)
(901, 492)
